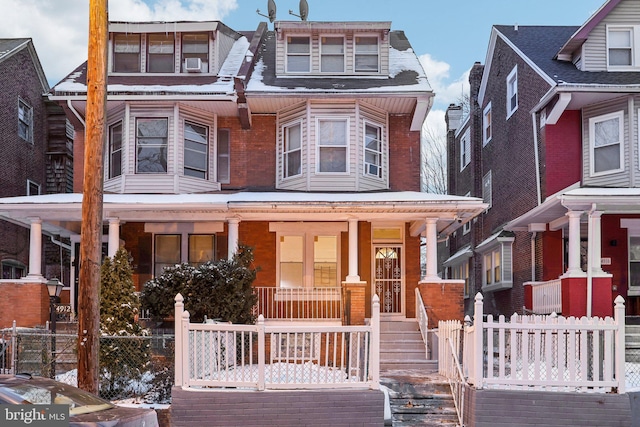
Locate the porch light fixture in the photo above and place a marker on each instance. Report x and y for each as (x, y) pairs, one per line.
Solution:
(54, 287)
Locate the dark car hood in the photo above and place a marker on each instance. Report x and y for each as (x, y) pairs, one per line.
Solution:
(118, 416)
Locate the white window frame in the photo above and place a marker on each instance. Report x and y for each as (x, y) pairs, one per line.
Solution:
(487, 124)
(25, 118)
(487, 189)
(500, 248)
(634, 35)
(205, 153)
(165, 145)
(466, 227)
(465, 149)
(593, 121)
(512, 91)
(367, 165)
(32, 184)
(460, 271)
(286, 152)
(188, 43)
(308, 231)
(111, 151)
(328, 55)
(346, 145)
(223, 159)
(357, 53)
(295, 54)
(131, 49)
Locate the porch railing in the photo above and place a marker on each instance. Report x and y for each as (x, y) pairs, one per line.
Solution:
(423, 322)
(276, 357)
(547, 352)
(276, 303)
(546, 296)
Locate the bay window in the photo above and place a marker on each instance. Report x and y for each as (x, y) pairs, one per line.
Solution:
(332, 145)
(196, 149)
(372, 150)
(115, 150)
(497, 262)
(292, 150)
(151, 145)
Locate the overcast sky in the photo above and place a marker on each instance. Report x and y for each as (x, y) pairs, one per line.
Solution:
(448, 36)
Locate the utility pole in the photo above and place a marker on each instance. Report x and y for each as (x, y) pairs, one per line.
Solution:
(91, 230)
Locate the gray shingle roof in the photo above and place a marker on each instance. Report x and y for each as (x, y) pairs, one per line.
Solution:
(541, 44)
(8, 45)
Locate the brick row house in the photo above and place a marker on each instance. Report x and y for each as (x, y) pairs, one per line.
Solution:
(35, 145)
(551, 145)
(302, 142)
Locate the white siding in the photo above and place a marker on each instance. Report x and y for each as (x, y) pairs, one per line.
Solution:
(223, 46)
(595, 48)
(296, 113)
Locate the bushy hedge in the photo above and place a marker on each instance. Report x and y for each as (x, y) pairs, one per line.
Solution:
(218, 289)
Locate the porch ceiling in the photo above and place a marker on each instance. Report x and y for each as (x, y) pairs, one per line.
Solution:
(61, 213)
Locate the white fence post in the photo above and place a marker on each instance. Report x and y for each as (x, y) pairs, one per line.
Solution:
(375, 343)
(177, 319)
(261, 351)
(185, 368)
(478, 349)
(620, 343)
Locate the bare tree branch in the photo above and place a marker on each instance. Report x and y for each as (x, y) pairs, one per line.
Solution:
(434, 164)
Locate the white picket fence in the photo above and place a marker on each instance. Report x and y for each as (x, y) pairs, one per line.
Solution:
(261, 357)
(541, 352)
(546, 296)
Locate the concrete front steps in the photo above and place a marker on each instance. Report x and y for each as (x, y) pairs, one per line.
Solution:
(402, 347)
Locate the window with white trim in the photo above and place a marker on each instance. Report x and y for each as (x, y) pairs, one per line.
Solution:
(160, 49)
(224, 156)
(487, 129)
(461, 272)
(606, 143)
(512, 91)
(298, 54)
(151, 145)
(487, 192)
(169, 250)
(466, 227)
(308, 255)
(292, 150)
(620, 47)
(465, 149)
(332, 54)
(367, 54)
(372, 150)
(196, 150)
(195, 52)
(33, 188)
(126, 53)
(332, 145)
(497, 263)
(115, 150)
(25, 121)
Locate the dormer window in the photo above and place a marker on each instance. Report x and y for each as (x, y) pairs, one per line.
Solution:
(151, 145)
(298, 55)
(126, 53)
(195, 53)
(332, 55)
(367, 54)
(160, 57)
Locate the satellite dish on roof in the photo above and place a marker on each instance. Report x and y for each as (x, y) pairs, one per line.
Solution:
(271, 7)
(304, 10)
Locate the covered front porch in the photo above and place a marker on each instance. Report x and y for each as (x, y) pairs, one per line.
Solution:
(322, 256)
(587, 248)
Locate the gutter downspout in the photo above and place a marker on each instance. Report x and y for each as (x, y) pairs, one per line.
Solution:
(75, 113)
(533, 256)
(536, 156)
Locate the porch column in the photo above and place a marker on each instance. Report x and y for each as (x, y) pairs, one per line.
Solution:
(114, 236)
(432, 250)
(574, 244)
(35, 249)
(353, 252)
(595, 237)
(233, 237)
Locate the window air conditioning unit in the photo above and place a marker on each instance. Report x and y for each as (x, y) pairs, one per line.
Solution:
(193, 65)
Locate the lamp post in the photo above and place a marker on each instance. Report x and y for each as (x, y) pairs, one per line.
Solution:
(54, 287)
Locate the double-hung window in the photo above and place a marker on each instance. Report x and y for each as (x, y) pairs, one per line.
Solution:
(151, 145)
(372, 150)
(366, 54)
(497, 262)
(223, 156)
(126, 53)
(512, 91)
(160, 57)
(487, 191)
(196, 150)
(298, 54)
(487, 130)
(292, 150)
(332, 55)
(606, 136)
(195, 52)
(115, 150)
(620, 46)
(332, 145)
(465, 149)
(173, 249)
(25, 121)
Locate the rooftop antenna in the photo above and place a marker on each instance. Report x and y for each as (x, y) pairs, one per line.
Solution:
(271, 7)
(304, 10)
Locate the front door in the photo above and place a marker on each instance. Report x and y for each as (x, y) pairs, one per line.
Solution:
(388, 274)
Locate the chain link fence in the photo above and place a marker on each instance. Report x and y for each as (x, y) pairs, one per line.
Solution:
(632, 367)
(132, 369)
